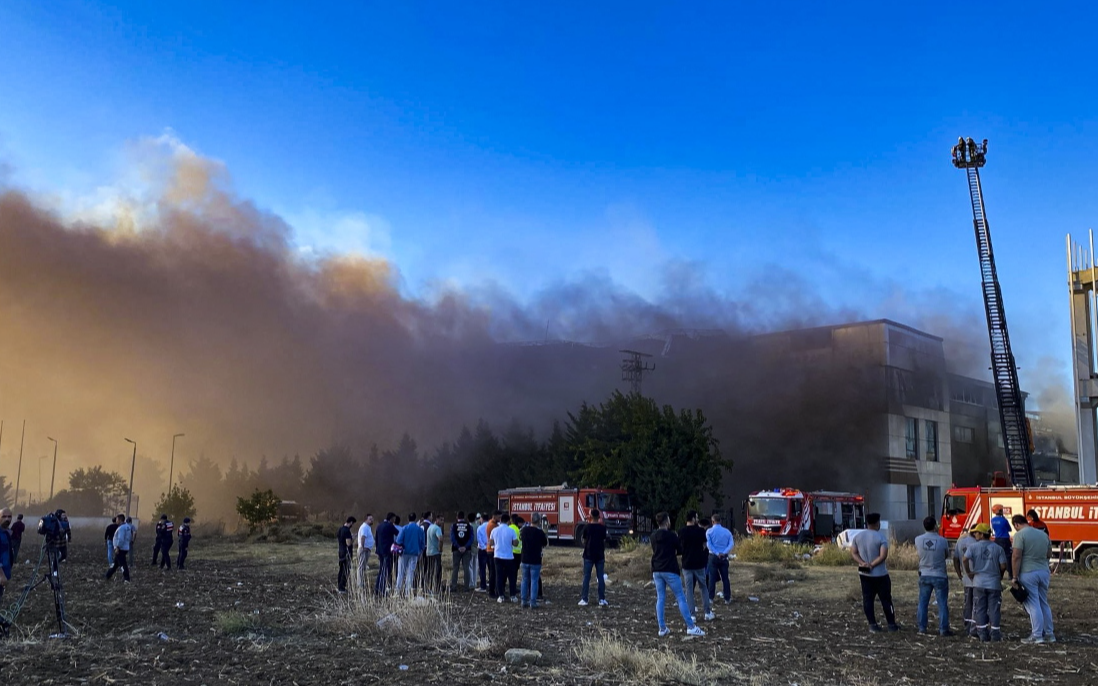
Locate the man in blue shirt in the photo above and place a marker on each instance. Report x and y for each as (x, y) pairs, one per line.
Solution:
(720, 542)
(412, 541)
(1000, 531)
(5, 549)
(484, 559)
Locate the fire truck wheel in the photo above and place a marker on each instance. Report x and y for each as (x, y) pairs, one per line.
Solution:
(578, 540)
(1089, 558)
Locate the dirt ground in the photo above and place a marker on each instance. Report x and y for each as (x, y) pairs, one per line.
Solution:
(256, 613)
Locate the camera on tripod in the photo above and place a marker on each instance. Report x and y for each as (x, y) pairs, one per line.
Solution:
(51, 528)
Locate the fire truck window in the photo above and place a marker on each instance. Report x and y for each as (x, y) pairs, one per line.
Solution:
(589, 501)
(955, 505)
(768, 507)
(613, 502)
(798, 507)
(859, 516)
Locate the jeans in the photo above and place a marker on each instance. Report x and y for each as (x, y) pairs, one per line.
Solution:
(406, 573)
(120, 563)
(506, 571)
(874, 587)
(384, 573)
(664, 581)
(987, 610)
(166, 557)
(1040, 613)
(463, 561)
(432, 575)
(718, 566)
(531, 580)
(363, 565)
(695, 578)
(483, 560)
(110, 553)
(939, 585)
(600, 570)
(344, 572)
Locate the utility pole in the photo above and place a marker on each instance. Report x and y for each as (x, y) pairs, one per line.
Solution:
(171, 467)
(53, 475)
(133, 463)
(19, 469)
(633, 369)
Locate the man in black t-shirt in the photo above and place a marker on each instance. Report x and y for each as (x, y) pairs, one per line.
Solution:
(665, 574)
(346, 541)
(695, 558)
(108, 535)
(461, 550)
(594, 555)
(534, 541)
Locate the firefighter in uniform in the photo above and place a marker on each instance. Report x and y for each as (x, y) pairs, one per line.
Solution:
(184, 542)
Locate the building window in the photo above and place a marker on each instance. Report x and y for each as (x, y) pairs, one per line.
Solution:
(912, 498)
(911, 437)
(964, 434)
(933, 500)
(931, 429)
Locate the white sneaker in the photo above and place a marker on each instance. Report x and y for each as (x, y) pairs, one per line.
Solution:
(720, 594)
(664, 632)
(709, 616)
(480, 590)
(603, 603)
(582, 603)
(499, 600)
(514, 599)
(695, 631)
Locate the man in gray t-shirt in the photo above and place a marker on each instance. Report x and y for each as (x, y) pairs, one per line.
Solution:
(933, 552)
(870, 550)
(985, 563)
(965, 542)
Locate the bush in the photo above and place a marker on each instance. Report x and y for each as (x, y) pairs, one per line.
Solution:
(760, 549)
(437, 623)
(258, 509)
(177, 504)
(627, 544)
(235, 623)
(903, 557)
(831, 555)
(608, 654)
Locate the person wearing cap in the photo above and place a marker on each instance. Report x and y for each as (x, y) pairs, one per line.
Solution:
(985, 563)
(184, 542)
(966, 541)
(1000, 534)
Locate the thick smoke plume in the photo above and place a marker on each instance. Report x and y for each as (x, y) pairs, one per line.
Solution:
(184, 308)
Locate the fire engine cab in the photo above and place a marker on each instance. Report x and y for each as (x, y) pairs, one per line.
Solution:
(803, 517)
(565, 509)
(1070, 512)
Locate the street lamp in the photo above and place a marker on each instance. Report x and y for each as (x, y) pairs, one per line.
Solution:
(133, 462)
(40, 458)
(54, 474)
(171, 466)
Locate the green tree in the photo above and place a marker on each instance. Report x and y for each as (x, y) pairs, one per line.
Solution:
(177, 504)
(662, 457)
(6, 492)
(258, 509)
(110, 487)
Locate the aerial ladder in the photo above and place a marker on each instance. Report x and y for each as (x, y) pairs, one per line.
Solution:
(970, 156)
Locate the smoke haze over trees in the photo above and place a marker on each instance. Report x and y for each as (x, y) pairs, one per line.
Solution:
(180, 307)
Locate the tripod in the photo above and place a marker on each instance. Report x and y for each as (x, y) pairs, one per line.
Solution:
(51, 553)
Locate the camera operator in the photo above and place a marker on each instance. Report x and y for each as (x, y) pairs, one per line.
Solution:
(6, 557)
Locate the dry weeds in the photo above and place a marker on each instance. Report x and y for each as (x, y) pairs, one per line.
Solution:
(608, 654)
(436, 621)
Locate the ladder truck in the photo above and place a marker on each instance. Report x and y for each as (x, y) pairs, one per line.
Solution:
(970, 156)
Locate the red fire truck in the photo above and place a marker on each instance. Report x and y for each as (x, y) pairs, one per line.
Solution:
(793, 515)
(1071, 513)
(566, 509)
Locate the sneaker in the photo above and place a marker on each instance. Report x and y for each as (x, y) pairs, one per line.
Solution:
(709, 616)
(875, 628)
(664, 632)
(720, 594)
(481, 590)
(514, 599)
(947, 632)
(1033, 639)
(996, 636)
(603, 603)
(1050, 638)
(893, 627)
(695, 631)
(923, 632)
(499, 600)
(582, 603)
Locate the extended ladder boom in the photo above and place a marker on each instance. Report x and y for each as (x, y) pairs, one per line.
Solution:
(969, 156)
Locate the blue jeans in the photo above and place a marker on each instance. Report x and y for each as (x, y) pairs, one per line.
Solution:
(110, 553)
(406, 572)
(718, 566)
(664, 581)
(1040, 613)
(695, 578)
(940, 586)
(600, 569)
(531, 579)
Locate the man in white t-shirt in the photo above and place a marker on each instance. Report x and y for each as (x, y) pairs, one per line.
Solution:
(365, 540)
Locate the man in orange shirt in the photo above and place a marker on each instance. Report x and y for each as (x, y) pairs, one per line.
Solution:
(492, 580)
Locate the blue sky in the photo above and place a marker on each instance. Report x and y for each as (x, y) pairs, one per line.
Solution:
(527, 143)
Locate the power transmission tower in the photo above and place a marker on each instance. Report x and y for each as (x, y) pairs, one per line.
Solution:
(633, 369)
